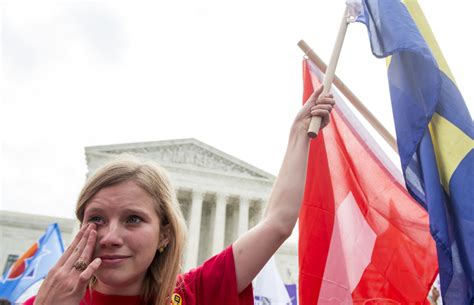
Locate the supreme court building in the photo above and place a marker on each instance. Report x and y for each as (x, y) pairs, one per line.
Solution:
(221, 197)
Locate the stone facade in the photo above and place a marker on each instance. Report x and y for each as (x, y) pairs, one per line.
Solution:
(221, 197)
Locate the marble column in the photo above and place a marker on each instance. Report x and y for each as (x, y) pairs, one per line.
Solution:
(194, 231)
(261, 209)
(219, 224)
(243, 216)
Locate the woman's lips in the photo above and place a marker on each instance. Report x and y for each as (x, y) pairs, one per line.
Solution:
(112, 260)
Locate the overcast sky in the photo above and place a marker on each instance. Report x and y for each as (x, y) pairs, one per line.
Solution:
(77, 74)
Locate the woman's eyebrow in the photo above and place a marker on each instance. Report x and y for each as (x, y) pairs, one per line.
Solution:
(136, 210)
(93, 210)
(131, 210)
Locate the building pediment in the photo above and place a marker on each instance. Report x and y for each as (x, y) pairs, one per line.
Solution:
(185, 153)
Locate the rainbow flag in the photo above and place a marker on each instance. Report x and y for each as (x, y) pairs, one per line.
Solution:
(434, 134)
(33, 265)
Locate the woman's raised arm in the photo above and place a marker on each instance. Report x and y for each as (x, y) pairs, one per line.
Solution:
(255, 247)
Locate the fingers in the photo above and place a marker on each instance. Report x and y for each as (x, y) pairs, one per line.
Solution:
(327, 99)
(320, 112)
(323, 106)
(316, 99)
(89, 248)
(322, 109)
(69, 280)
(316, 105)
(79, 249)
(317, 92)
(72, 246)
(87, 274)
(315, 95)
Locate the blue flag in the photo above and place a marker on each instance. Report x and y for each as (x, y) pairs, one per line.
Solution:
(434, 134)
(33, 265)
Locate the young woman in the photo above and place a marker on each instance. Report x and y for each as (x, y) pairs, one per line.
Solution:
(132, 236)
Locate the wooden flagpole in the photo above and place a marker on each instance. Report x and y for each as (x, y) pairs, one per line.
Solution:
(315, 124)
(386, 135)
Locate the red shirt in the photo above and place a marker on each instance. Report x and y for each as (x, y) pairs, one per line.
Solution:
(212, 283)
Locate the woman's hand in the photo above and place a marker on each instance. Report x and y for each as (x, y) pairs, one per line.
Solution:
(67, 281)
(316, 105)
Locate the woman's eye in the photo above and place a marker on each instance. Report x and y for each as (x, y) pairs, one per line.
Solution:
(95, 219)
(134, 219)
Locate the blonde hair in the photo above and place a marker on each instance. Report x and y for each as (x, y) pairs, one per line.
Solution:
(161, 276)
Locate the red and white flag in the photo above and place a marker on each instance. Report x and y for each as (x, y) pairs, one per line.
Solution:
(362, 238)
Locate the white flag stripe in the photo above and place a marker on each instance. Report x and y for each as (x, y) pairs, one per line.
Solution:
(350, 252)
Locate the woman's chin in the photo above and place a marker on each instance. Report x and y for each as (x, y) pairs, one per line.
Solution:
(114, 282)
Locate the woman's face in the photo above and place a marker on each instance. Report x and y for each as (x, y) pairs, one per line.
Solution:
(128, 236)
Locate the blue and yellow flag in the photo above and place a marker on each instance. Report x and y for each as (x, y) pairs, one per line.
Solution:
(434, 134)
(33, 265)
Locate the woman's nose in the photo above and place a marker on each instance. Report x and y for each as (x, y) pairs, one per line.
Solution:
(110, 235)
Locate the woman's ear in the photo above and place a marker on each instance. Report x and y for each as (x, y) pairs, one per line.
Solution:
(165, 235)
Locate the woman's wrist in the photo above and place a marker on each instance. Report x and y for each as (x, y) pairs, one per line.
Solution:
(299, 133)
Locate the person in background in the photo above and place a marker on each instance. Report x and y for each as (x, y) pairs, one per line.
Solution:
(5, 302)
(434, 296)
(132, 236)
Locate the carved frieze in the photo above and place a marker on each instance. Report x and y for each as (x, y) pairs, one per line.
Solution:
(188, 154)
